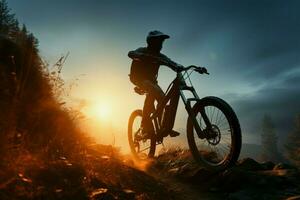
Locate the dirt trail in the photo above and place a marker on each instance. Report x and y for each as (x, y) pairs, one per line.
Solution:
(179, 189)
(183, 191)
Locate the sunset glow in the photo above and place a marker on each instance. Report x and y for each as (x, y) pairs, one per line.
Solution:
(101, 110)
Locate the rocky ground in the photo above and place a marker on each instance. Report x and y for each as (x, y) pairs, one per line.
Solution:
(105, 175)
(248, 180)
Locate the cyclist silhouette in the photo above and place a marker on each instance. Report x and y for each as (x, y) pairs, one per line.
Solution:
(144, 71)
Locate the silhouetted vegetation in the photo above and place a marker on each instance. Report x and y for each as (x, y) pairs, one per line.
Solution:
(269, 140)
(293, 143)
(32, 117)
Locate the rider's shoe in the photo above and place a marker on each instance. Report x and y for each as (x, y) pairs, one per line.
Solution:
(174, 133)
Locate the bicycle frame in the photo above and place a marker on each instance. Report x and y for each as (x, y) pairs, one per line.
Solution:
(174, 91)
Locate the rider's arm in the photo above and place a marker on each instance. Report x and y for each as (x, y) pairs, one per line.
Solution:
(136, 54)
(141, 54)
(169, 63)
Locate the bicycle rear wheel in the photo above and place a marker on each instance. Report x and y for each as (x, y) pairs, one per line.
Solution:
(141, 146)
(221, 147)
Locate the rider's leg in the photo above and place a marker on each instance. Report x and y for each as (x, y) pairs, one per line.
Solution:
(155, 91)
(159, 95)
(147, 109)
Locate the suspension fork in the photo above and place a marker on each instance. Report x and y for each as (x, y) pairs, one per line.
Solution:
(191, 113)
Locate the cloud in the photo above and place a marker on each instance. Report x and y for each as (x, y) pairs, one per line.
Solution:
(280, 101)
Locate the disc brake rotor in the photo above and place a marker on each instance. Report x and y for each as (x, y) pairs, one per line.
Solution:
(214, 135)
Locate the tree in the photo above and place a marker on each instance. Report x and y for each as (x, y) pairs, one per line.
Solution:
(8, 24)
(293, 143)
(20, 72)
(269, 140)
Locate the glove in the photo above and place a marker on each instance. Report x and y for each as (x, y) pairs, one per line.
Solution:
(201, 70)
(204, 70)
(179, 68)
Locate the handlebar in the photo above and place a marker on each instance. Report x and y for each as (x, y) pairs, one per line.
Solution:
(200, 70)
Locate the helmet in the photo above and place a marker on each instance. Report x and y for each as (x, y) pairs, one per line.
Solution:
(156, 34)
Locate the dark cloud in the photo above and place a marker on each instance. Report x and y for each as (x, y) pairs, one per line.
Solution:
(281, 102)
(261, 38)
(293, 81)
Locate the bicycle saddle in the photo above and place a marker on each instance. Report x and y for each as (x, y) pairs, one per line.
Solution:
(139, 91)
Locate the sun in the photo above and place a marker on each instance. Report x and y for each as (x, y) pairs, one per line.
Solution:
(103, 110)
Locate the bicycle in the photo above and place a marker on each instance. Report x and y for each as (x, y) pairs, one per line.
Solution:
(213, 129)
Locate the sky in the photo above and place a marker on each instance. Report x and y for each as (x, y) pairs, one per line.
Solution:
(251, 49)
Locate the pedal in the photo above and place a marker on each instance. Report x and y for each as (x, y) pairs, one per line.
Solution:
(159, 139)
(174, 133)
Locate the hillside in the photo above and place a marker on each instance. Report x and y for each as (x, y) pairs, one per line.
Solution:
(99, 174)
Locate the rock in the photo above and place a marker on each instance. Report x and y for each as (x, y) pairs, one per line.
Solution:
(143, 196)
(240, 195)
(127, 194)
(101, 194)
(59, 173)
(159, 165)
(174, 171)
(250, 165)
(185, 168)
(283, 166)
(203, 177)
(254, 193)
(267, 165)
(97, 183)
(235, 179)
(282, 173)
(294, 198)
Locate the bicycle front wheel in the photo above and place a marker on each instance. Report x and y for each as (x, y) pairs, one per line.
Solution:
(221, 146)
(141, 146)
